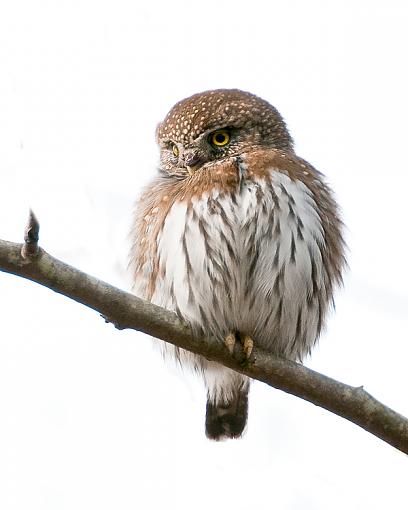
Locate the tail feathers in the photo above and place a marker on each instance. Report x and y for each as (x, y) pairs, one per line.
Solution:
(227, 420)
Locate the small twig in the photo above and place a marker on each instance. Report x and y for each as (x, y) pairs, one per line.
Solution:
(31, 237)
(125, 310)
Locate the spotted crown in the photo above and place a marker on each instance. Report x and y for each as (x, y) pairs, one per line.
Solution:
(213, 109)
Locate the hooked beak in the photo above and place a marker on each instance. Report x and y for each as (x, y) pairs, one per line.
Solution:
(192, 162)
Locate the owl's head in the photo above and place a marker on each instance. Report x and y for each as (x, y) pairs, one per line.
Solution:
(215, 125)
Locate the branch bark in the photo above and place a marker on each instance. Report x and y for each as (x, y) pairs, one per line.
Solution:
(126, 311)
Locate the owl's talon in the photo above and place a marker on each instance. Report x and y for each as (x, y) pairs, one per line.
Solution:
(248, 345)
(230, 342)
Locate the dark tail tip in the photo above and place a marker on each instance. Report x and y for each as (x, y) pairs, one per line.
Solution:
(227, 420)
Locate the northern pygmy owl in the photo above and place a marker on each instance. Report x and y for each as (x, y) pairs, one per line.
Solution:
(239, 236)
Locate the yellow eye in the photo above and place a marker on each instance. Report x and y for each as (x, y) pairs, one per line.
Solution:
(175, 151)
(220, 138)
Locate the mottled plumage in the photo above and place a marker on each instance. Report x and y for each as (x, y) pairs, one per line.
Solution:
(242, 238)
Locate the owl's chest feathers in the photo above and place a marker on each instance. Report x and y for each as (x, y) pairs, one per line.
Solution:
(248, 259)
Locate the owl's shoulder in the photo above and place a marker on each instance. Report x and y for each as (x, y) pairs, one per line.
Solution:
(262, 163)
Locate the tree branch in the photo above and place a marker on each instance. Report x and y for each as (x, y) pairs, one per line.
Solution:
(126, 311)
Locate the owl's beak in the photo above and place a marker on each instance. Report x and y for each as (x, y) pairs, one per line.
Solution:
(192, 161)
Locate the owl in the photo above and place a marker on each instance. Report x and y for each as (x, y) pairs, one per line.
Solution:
(240, 237)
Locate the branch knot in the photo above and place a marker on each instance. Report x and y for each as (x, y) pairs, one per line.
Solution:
(31, 236)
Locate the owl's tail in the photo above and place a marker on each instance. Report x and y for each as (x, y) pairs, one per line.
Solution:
(227, 419)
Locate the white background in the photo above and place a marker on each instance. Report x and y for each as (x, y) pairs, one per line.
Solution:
(91, 417)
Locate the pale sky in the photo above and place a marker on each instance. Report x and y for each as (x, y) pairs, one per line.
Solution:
(91, 417)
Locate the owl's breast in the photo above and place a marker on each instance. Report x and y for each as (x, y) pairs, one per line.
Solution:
(248, 259)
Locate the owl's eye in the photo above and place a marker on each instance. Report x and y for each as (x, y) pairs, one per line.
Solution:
(220, 138)
(175, 150)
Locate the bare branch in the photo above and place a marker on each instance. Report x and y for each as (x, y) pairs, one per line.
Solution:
(126, 311)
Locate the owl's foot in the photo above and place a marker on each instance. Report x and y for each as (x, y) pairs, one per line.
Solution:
(246, 340)
(248, 345)
(229, 341)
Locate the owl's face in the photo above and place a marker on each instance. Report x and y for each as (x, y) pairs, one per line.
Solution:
(215, 125)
